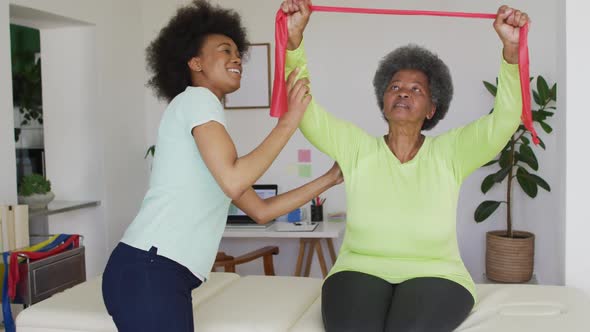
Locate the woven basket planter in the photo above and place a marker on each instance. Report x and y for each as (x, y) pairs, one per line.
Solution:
(510, 260)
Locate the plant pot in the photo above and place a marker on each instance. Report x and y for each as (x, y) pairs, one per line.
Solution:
(36, 201)
(510, 260)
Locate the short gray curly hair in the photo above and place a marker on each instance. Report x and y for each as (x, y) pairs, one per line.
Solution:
(418, 58)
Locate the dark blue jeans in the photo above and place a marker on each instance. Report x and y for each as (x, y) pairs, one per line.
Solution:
(147, 292)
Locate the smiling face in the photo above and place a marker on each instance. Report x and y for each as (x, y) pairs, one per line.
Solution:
(218, 66)
(407, 99)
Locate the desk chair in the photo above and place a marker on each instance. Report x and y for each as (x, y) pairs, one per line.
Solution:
(229, 262)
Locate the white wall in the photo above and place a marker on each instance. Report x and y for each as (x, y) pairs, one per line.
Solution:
(343, 52)
(561, 128)
(72, 138)
(8, 159)
(95, 137)
(577, 265)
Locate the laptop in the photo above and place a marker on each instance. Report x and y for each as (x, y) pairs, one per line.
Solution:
(237, 218)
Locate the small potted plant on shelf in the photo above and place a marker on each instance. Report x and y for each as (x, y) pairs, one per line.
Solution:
(510, 253)
(35, 191)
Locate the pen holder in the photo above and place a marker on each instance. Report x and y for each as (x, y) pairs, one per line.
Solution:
(317, 212)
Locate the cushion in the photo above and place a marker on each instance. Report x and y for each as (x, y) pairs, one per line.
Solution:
(506, 308)
(258, 303)
(81, 307)
(528, 308)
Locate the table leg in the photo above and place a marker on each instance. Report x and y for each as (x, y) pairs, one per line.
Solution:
(318, 249)
(299, 264)
(312, 243)
(331, 249)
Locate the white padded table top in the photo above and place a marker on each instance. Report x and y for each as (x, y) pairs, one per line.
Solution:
(257, 303)
(528, 308)
(506, 308)
(81, 307)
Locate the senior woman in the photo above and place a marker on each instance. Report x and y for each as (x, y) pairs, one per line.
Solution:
(399, 267)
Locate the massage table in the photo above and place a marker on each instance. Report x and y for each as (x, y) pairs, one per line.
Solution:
(228, 303)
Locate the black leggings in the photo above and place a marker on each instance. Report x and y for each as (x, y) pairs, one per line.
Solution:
(354, 301)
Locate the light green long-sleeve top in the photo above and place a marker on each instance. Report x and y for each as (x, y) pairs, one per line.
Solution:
(401, 218)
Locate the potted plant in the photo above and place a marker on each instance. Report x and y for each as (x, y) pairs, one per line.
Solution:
(35, 191)
(510, 253)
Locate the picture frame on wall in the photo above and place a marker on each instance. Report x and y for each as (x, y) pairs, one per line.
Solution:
(254, 91)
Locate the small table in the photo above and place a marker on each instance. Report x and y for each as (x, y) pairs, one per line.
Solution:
(309, 242)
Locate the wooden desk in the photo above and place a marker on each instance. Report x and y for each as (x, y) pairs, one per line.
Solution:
(309, 242)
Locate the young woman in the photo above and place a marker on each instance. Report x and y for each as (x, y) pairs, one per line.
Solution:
(170, 247)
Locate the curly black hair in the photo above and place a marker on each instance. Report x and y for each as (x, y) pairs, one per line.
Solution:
(167, 56)
(418, 58)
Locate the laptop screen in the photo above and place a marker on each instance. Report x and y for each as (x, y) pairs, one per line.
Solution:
(237, 216)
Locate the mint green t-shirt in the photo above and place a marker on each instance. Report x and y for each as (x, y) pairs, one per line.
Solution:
(401, 218)
(184, 211)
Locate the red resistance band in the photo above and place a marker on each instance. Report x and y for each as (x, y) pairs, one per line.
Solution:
(279, 92)
(14, 275)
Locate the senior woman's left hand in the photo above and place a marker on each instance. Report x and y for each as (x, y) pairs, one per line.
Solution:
(507, 24)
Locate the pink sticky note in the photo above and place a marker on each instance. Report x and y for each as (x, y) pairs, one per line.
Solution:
(304, 155)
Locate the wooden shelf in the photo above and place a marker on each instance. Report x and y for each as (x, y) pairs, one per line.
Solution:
(62, 206)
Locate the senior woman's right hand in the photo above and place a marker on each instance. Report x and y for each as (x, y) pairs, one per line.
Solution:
(298, 12)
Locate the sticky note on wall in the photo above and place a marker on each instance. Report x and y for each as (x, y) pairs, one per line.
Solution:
(304, 155)
(304, 171)
(292, 170)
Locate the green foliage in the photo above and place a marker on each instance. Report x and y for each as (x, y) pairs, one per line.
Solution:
(34, 184)
(26, 74)
(517, 159)
(150, 151)
(26, 84)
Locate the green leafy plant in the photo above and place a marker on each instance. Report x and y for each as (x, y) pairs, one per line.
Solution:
(25, 45)
(150, 151)
(26, 83)
(517, 159)
(34, 184)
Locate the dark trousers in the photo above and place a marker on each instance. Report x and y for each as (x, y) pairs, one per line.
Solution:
(147, 292)
(354, 301)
